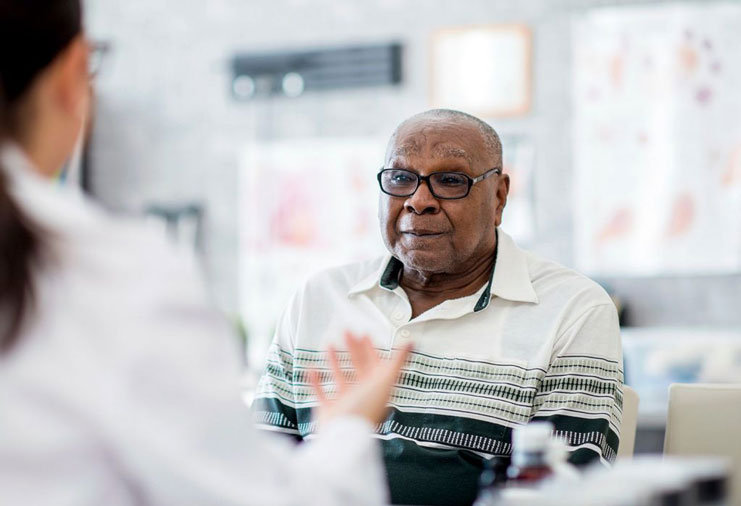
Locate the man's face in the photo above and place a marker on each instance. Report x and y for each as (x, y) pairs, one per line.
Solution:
(435, 235)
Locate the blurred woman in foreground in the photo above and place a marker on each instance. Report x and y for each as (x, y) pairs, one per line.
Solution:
(118, 383)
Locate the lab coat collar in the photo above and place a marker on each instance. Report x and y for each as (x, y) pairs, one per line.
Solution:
(42, 199)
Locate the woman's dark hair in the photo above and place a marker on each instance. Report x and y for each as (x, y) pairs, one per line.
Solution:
(20, 248)
(32, 34)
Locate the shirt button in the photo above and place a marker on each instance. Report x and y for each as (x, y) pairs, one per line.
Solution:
(398, 315)
(405, 333)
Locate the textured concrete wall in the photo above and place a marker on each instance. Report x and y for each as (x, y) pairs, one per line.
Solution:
(168, 131)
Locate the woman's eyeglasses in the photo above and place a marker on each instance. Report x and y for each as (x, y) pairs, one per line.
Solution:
(98, 52)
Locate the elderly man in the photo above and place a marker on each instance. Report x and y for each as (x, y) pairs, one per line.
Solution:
(501, 336)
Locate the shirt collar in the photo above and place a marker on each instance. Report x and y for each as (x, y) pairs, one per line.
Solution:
(379, 277)
(509, 279)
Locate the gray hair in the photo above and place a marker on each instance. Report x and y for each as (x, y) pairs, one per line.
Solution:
(490, 137)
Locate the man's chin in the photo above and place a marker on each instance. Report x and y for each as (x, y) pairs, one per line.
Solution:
(425, 261)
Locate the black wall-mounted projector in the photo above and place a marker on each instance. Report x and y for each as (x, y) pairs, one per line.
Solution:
(292, 73)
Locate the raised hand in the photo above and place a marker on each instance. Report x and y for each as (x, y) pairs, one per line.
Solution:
(375, 378)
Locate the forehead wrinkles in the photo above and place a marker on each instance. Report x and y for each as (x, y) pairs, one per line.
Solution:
(409, 148)
(447, 151)
(403, 144)
(416, 147)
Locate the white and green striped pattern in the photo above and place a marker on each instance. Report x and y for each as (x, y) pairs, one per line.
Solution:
(462, 403)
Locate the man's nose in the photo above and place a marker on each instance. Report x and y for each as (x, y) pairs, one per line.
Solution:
(423, 201)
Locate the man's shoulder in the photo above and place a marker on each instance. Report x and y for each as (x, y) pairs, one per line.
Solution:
(553, 280)
(346, 277)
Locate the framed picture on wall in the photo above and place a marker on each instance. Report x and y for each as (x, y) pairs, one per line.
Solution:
(483, 70)
(656, 107)
(289, 195)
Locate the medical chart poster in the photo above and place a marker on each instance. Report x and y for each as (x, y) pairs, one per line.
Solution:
(657, 139)
(305, 205)
(519, 215)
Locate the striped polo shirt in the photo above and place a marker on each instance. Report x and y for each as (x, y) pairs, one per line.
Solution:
(537, 342)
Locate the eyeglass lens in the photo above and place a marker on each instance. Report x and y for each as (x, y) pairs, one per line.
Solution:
(98, 52)
(402, 183)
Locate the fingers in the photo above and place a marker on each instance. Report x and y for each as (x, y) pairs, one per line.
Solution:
(362, 353)
(334, 365)
(402, 353)
(357, 356)
(368, 397)
(371, 355)
(398, 359)
(367, 363)
(313, 377)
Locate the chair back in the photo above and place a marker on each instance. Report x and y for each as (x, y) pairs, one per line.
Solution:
(629, 423)
(704, 420)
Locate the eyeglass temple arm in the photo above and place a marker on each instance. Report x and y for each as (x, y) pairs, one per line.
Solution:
(488, 173)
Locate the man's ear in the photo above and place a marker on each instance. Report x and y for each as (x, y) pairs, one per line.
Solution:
(70, 77)
(502, 192)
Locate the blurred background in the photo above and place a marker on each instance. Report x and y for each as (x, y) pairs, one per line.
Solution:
(251, 131)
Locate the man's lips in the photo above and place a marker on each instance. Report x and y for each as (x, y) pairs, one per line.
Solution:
(422, 232)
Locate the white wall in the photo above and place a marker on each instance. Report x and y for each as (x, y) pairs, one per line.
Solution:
(167, 129)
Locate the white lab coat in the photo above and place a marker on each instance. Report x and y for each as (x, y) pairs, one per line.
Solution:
(124, 389)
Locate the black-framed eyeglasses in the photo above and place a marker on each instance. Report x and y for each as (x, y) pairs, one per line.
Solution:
(98, 52)
(442, 185)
